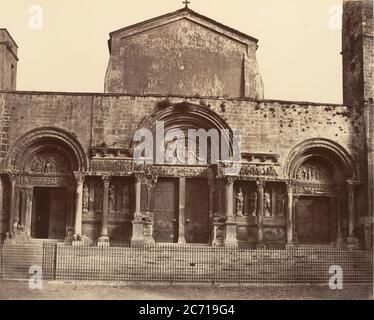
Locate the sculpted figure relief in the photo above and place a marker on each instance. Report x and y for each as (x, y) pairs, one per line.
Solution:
(280, 198)
(98, 197)
(112, 198)
(125, 198)
(239, 203)
(37, 164)
(253, 203)
(314, 172)
(267, 204)
(49, 163)
(86, 196)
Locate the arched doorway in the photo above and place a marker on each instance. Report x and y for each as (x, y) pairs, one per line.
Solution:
(183, 200)
(323, 198)
(42, 165)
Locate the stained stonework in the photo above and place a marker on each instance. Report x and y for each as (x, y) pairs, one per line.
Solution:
(178, 54)
(8, 61)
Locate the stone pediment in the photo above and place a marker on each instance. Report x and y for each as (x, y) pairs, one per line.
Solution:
(187, 14)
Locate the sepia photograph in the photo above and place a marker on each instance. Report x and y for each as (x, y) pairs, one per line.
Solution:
(186, 155)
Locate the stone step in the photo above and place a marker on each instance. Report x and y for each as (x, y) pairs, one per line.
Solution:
(18, 258)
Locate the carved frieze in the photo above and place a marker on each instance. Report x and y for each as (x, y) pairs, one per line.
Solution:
(260, 157)
(181, 171)
(247, 171)
(312, 171)
(274, 234)
(315, 188)
(106, 152)
(45, 181)
(123, 167)
(258, 170)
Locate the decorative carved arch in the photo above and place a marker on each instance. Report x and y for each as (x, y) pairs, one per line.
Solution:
(184, 116)
(42, 139)
(324, 149)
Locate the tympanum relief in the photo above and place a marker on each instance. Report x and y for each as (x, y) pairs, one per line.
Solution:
(49, 162)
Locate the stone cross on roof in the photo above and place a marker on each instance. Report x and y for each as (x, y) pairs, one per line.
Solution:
(186, 3)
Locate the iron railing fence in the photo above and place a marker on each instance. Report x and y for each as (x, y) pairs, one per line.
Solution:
(203, 264)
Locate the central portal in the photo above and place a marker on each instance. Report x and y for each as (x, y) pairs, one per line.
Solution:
(165, 211)
(49, 215)
(197, 211)
(312, 220)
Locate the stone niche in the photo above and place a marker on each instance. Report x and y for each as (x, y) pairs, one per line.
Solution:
(121, 200)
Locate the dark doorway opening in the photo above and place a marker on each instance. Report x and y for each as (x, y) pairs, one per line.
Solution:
(49, 213)
(312, 220)
(197, 211)
(166, 211)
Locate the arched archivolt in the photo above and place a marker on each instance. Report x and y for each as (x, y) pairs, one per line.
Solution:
(326, 152)
(42, 141)
(183, 116)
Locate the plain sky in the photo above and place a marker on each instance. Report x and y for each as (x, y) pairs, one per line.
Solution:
(299, 48)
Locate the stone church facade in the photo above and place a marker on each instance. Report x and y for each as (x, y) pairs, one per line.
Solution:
(306, 169)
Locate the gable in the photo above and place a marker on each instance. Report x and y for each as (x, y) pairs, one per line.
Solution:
(185, 13)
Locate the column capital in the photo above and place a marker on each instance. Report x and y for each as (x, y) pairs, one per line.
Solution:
(146, 177)
(12, 175)
(79, 176)
(106, 178)
(139, 176)
(352, 183)
(23, 191)
(260, 183)
(291, 186)
(229, 179)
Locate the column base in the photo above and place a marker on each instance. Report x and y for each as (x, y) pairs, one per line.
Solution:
(218, 234)
(103, 241)
(137, 232)
(181, 240)
(77, 243)
(231, 239)
(69, 235)
(148, 232)
(353, 243)
(289, 246)
(231, 243)
(260, 246)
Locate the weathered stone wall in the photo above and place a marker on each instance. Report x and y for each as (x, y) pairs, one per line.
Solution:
(8, 61)
(182, 57)
(266, 126)
(358, 79)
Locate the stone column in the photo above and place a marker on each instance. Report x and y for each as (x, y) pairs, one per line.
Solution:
(352, 240)
(295, 198)
(289, 215)
(339, 235)
(231, 239)
(182, 211)
(23, 199)
(104, 234)
(1, 196)
(148, 222)
(137, 223)
(29, 199)
(70, 230)
(211, 205)
(79, 178)
(260, 214)
(13, 204)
